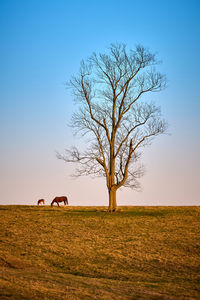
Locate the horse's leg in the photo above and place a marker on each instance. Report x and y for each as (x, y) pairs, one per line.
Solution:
(58, 203)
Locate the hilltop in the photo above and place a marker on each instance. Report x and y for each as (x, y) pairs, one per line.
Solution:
(88, 253)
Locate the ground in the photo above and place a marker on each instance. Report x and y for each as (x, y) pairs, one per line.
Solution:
(88, 253)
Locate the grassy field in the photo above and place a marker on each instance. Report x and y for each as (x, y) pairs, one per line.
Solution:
(87, 253)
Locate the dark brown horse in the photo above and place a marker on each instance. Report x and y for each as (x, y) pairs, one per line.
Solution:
(58, 200)
(40, 202)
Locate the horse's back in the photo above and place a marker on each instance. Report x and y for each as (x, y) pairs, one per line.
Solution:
(61, 199)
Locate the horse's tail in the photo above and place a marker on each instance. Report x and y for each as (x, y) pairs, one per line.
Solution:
(65, 200)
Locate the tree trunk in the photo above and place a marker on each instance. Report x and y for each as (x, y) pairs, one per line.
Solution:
(112, 200)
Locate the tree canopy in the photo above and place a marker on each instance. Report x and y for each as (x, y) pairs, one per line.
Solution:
(109, 90)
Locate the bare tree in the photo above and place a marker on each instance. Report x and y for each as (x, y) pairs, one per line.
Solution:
(109, 88)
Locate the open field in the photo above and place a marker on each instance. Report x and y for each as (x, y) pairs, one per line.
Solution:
(87, 253)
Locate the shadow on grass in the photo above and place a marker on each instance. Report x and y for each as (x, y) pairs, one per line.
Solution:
(118, 214)
(3, 208)
(94, 211)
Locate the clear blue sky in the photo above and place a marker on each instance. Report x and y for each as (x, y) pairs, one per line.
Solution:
(42, 44)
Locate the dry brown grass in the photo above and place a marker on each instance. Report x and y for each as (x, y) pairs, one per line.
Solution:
(87, 253)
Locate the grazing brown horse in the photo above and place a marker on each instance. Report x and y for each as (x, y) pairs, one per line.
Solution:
(60, 199)
(40, 202)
